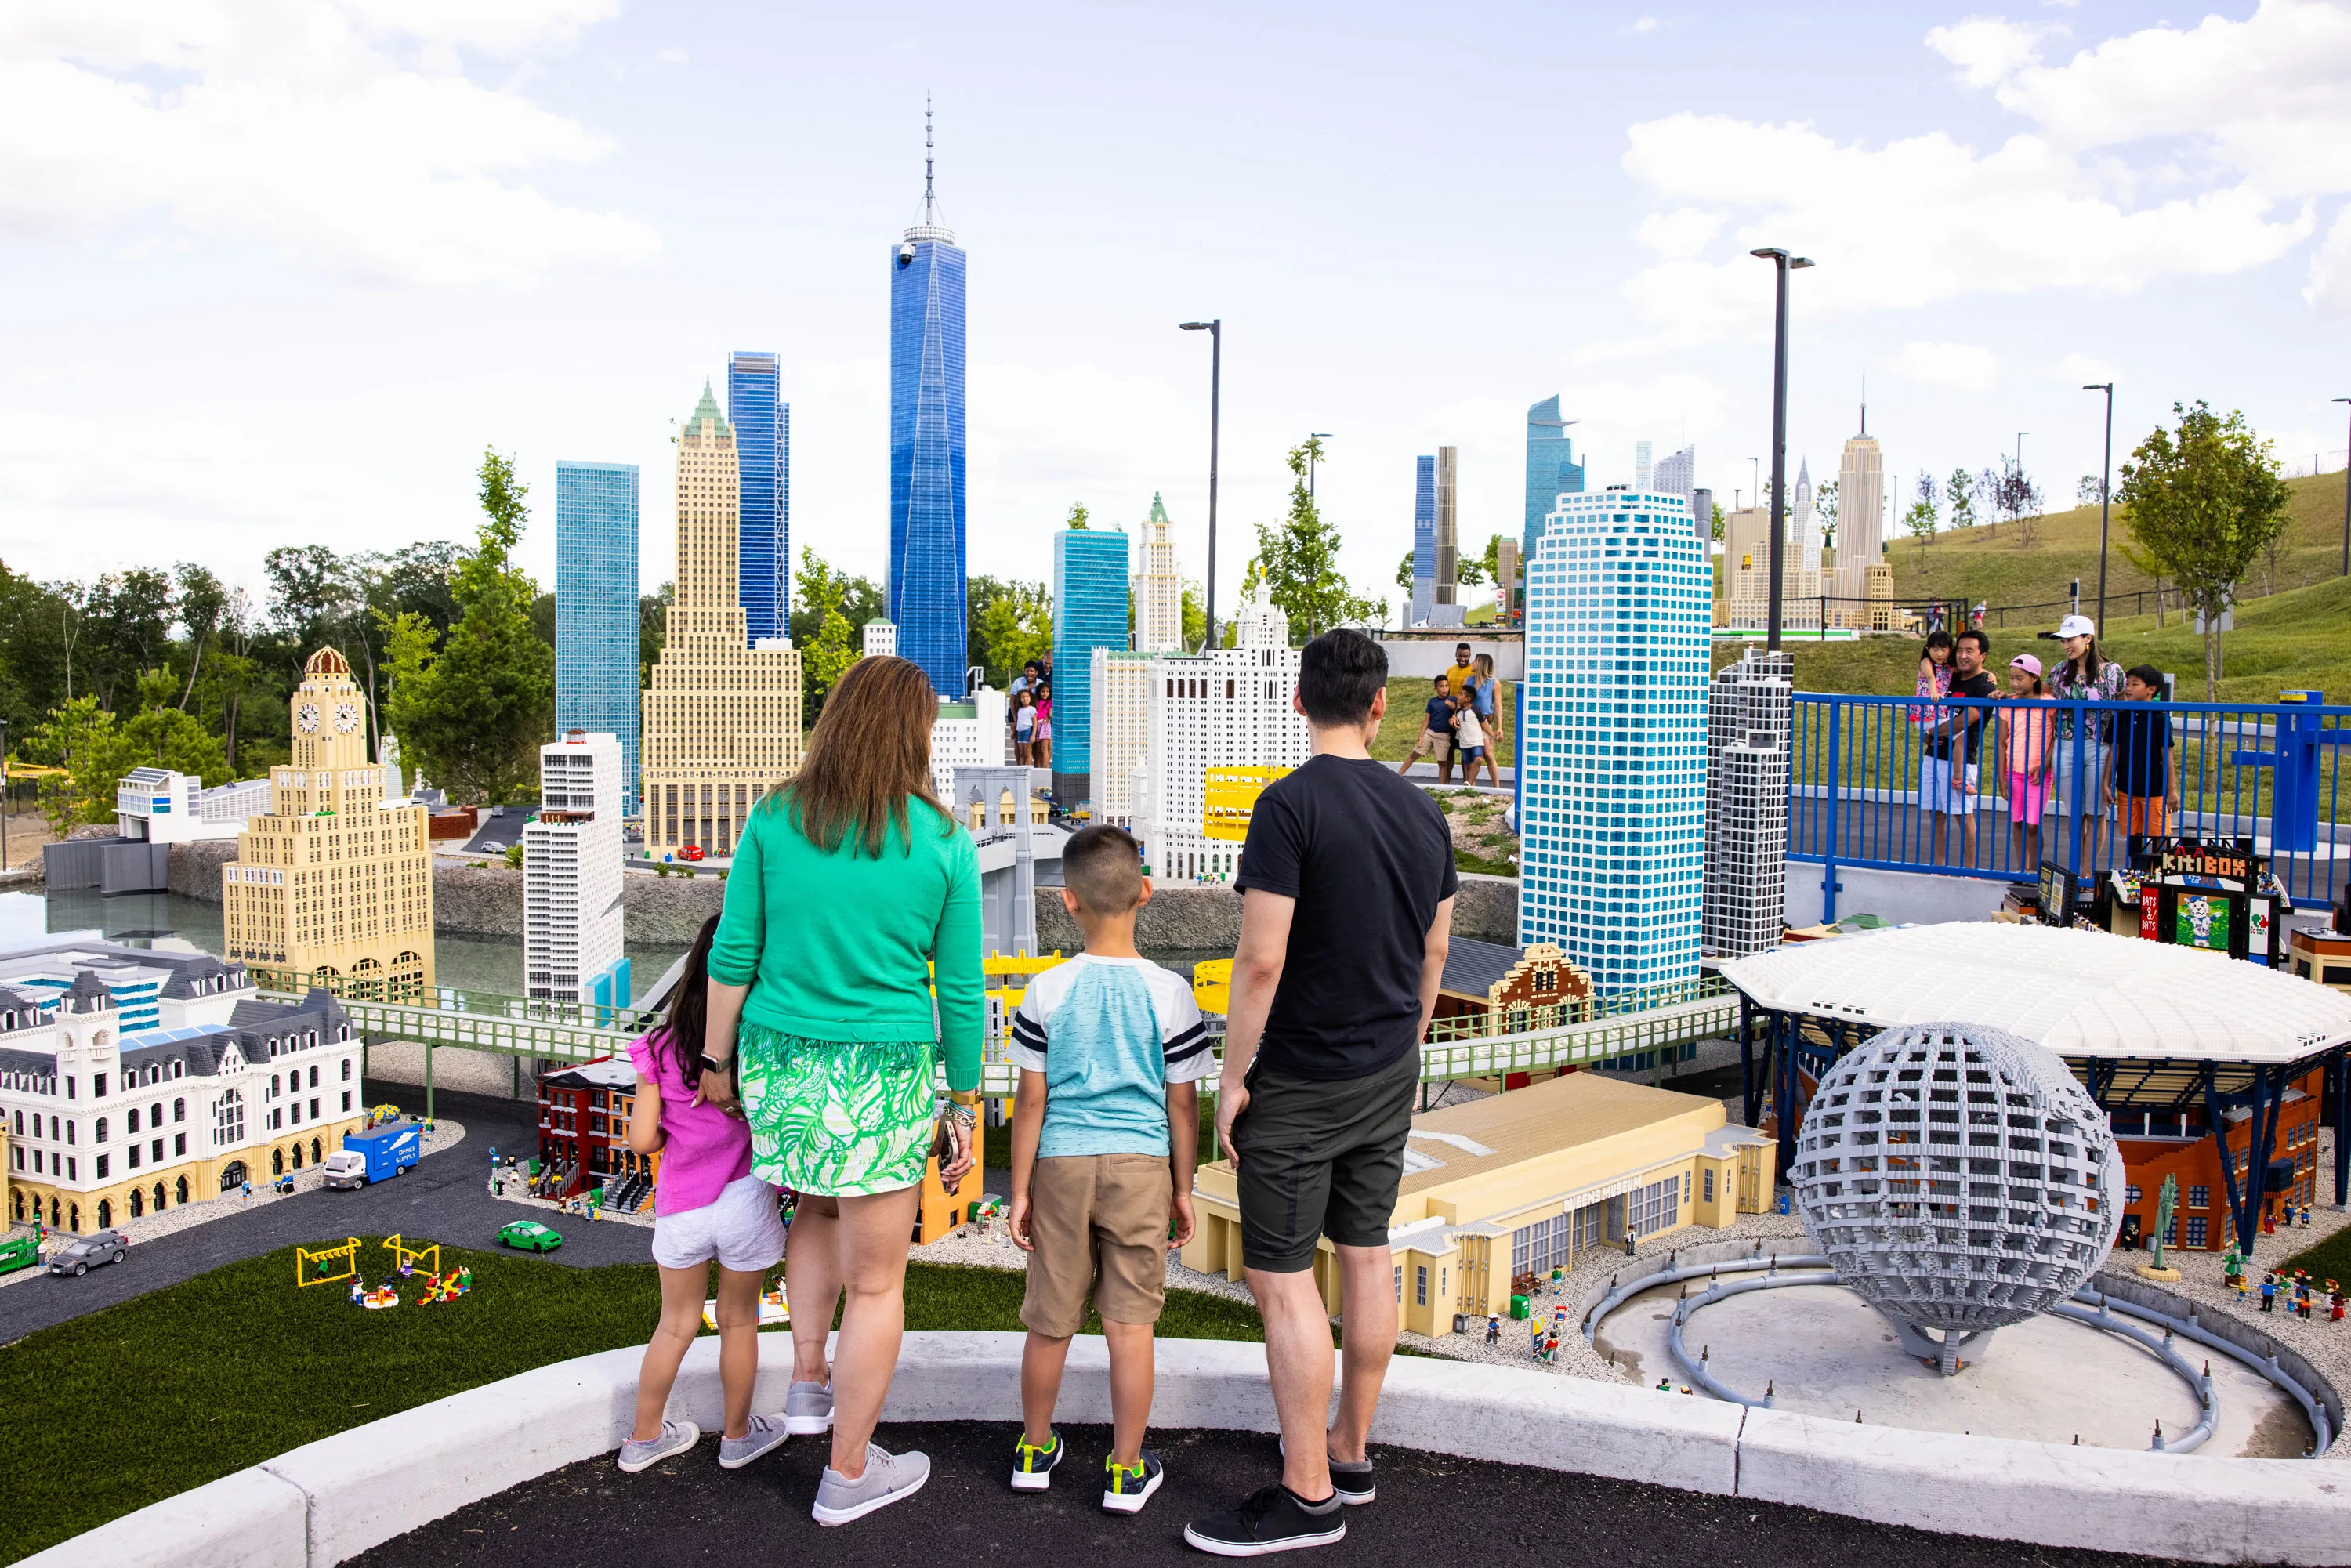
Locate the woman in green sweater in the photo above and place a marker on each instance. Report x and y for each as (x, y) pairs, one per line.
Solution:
(848, 885)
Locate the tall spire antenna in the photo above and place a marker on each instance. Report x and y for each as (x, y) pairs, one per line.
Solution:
(1865, 402)
(929, 201)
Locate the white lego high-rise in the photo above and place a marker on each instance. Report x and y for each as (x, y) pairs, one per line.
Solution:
(881, 637)
(1613, 737)
(571, 855)
(1158, 589)
(1121, 695)
(1228, 707)
(966, 734)
(1748, 718)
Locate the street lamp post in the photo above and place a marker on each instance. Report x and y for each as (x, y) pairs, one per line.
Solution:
(1781, 265)
(1216, 331)
(2105, 489)
(2346, 504)
(1313, 435)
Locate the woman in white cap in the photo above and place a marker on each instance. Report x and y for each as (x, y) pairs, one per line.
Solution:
(2086, 675)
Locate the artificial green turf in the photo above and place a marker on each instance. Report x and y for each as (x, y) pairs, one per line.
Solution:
(2330, 1260)
(133, 1402)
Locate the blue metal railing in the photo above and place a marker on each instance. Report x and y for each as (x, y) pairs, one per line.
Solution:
(1885, 782)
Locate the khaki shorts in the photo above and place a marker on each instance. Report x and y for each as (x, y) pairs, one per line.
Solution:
(1435, 742)
(1098, 1222)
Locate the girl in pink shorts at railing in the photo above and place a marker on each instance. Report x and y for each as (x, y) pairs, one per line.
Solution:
(2027, 733)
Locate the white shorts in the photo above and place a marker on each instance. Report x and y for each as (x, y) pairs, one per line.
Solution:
(1940, 787)
(741, 1229)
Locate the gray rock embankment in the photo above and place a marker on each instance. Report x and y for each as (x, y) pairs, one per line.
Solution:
(668, 911)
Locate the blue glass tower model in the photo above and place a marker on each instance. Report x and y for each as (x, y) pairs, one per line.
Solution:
(1089, 612)
(926, 448)
(763, 454)
(1424, 541)
(1611, 737)
(1551, 469)
(596, 670)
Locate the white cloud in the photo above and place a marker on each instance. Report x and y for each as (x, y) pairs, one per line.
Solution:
(1680, 234)
(1960, 365)
(2163, 152)
(2081, 369)
(1645, 25)
(346, 131)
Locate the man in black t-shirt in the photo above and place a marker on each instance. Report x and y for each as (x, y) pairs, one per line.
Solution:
(1347, 881)
(1949, 783)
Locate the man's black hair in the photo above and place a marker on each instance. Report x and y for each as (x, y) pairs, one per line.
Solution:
(1983, 637)
(1339, 674)
(2146, 675)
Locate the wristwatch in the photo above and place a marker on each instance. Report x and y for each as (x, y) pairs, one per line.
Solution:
(710, 1064)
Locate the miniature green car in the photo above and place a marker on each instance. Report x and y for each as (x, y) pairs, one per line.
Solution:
(529, 1236)
(18, 1252)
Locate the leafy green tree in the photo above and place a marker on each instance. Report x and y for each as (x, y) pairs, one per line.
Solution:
(35, 621)
(1010, 624)
(834, 645)
(1719, 520)
(1078, 515)
(2201, 504)
(1404, 573)
(474, 713)
(653, 630)
(1960, 490)
(79, 736)
(1825, 508)
(1298, 557)
(1196, 616)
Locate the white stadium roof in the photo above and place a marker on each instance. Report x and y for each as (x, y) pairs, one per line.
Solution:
(2077, 993)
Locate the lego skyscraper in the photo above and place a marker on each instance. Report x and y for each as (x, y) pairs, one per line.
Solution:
(1090, 591)
(926, 446)
(596, 614)
(763, 459)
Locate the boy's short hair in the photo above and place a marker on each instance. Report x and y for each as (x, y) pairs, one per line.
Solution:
(2146, 675)
(1439, 680)
(1339, 674)
(1103, 865)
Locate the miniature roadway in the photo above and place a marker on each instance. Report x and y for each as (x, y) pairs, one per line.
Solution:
(1431, 1507)
(1823, 1350)
(445, 1196)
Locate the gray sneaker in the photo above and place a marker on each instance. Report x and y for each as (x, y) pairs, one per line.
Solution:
(888, 1478)
(760, 1433)
(676, 1438)
(807, 1409)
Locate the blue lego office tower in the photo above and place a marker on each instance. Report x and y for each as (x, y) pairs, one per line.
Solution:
(927, 453)
(763, 492)
(1424, 541)
(1551, 469)
(596, 670)
(1089, 587)
(1612, 733)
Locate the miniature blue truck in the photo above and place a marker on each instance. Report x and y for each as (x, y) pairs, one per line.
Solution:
(373, 1156)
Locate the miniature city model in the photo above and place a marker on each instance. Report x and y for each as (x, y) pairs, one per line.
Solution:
(1859, 596)
(1158, 585)
(583, 1128)
(1503, 1189)
(335, 883)
(598, 616)
(1118, 680)
(1090, 610)
(879, 639)
(134, 1081)
(1424, 541)
(1611, 812)
(1747, 563)
(1746, 890)
(1228, 707)
(966, 734)
(571, 853)
(722, 718)
(1490, 988)
(164, 806)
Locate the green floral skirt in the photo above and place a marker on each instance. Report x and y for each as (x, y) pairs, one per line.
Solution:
(837, 1119)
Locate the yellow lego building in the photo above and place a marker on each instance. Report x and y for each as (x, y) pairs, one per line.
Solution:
(1501, 1190)
(334, 884)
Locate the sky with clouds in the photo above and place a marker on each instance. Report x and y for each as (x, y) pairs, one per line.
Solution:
(277, 270)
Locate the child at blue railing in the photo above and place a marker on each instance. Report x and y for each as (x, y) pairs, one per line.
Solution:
(1934, 672)
(2143, 784)
(2025, 737)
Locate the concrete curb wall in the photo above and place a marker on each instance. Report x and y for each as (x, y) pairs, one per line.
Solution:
(2221, 1326)
(330, 1501)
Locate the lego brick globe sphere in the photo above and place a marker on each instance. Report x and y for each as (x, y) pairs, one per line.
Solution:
(1957, 1178)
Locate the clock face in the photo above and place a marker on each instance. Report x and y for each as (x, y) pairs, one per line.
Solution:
(306, 715)
(347, 717)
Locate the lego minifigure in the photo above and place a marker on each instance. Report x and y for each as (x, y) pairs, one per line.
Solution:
(1493, 1330)
(2269, 1292)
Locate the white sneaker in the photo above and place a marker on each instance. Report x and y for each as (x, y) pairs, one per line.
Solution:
(676, 1438)
(888, 1478)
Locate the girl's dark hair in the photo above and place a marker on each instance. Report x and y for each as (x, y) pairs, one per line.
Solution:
(1938, 638)
(2085, 668)
(676, 1045)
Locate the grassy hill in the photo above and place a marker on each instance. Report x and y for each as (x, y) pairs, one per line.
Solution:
(2299, 639)
(1992, 565)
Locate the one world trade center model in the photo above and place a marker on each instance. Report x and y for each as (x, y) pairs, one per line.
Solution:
(926, 445)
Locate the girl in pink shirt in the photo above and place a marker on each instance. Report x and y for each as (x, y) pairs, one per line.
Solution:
(707, 1207)
(2027, 730)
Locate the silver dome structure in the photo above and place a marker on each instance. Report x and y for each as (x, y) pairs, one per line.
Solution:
(1958, 1178)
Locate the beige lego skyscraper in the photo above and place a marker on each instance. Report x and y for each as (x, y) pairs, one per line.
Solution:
(722, 719)
(1861, 520)
(1158, 586)
(334, 884)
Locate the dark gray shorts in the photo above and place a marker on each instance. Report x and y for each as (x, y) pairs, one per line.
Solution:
(1321, 1157)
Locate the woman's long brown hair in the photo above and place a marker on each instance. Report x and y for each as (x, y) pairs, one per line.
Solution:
(868, 756)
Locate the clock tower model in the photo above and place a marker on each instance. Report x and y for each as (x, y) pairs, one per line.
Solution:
(334, 886)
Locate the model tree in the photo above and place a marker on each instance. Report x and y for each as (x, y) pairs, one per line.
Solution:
(1300, 559)
(2202, 502)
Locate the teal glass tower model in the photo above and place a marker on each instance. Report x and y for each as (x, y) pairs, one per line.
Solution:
(1551, 469)
(1611, 737)
(763, 492)
(596, 616)
(1423, 539)
(1089, 585)
(926, 446)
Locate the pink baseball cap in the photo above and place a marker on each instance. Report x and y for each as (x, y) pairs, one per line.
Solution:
(2026, 663)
